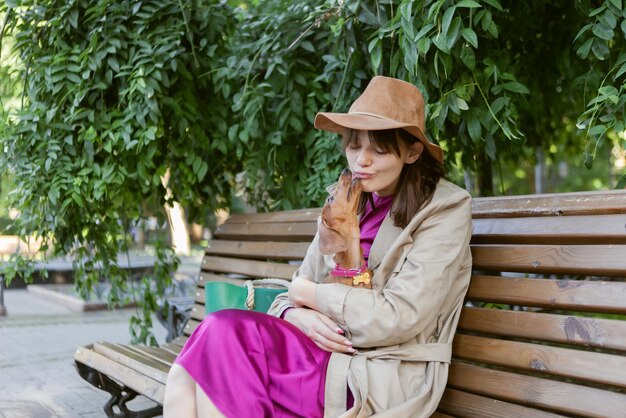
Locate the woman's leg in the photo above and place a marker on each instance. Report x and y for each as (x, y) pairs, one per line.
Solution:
(206, 408)
(184, 398)
(180, 394)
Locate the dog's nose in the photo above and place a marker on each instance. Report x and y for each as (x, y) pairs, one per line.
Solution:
(346, 171)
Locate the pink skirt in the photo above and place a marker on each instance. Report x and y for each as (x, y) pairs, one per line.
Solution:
(252, 364)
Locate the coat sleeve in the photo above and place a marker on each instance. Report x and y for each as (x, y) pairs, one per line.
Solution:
(412, 298)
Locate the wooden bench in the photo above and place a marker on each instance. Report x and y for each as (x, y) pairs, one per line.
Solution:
(543, 332)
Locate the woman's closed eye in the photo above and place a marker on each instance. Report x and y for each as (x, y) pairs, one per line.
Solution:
(354, 144)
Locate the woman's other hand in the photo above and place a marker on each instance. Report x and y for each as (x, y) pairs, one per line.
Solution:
(322, 330)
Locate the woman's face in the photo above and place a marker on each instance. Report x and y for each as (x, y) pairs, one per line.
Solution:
(379, 170)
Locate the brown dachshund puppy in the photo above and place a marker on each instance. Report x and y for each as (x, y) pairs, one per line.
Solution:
(340, 234)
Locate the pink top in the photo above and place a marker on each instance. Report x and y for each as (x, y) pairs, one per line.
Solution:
(371, 220)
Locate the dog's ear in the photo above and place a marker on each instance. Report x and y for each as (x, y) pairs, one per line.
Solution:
(331, 242)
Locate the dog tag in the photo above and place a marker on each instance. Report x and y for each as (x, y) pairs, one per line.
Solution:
(361, 278)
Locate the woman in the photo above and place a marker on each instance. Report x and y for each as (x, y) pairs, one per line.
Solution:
(338, 350)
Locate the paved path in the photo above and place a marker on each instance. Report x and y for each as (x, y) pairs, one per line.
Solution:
(37, 343)
(38, 339)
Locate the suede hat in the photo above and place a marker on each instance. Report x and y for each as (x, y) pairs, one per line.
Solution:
(386, 103)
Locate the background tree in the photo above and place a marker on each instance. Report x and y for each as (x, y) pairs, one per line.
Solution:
(221, 96)
(10, 89)
(116, 94)
(500, 76)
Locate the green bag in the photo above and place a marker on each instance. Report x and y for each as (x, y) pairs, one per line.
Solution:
(254, 295)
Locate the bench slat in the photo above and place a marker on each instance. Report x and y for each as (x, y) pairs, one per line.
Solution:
(465, 404)
(593, 260)
(158, 354)
(199, 299)
(556, 396)
(609, 369)
(591, 332)
(258, 250)
(172, 348)
(179, 342)
(135, 380)
(295, 231)
(191, 326)
(252, 268)
(197, 311)
(297, 215)
(555, 204)
(599, 229)
(438, 414)
(578, 295)
(154, 369)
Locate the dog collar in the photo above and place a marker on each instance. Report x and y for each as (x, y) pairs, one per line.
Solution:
(360, 275)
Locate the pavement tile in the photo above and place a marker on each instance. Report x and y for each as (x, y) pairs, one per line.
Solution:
(37, 345)
(23, 409)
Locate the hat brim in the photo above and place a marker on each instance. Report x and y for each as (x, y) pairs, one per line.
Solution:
(339, 122)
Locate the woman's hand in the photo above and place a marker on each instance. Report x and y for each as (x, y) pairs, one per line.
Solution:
(324, 332)
(302, 293)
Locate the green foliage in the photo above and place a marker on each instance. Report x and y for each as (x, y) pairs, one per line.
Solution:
(117, 93)
(621, 183)
(498, 75)
(441, 46)
(603, 44)
(276, 77)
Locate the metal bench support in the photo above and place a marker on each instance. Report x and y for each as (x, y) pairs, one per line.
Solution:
(120, 395)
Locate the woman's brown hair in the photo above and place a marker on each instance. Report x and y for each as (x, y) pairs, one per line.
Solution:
(417, 180)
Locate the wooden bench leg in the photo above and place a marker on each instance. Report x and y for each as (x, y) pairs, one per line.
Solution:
(120, 395)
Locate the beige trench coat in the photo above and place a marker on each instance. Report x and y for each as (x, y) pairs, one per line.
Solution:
(402, 328)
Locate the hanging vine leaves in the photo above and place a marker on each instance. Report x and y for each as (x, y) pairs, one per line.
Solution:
(115, 95)
(119, 92)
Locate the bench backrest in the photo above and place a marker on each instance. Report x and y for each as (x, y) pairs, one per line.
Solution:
(543, 331)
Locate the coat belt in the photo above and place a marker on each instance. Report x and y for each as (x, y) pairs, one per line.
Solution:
(336, 389)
